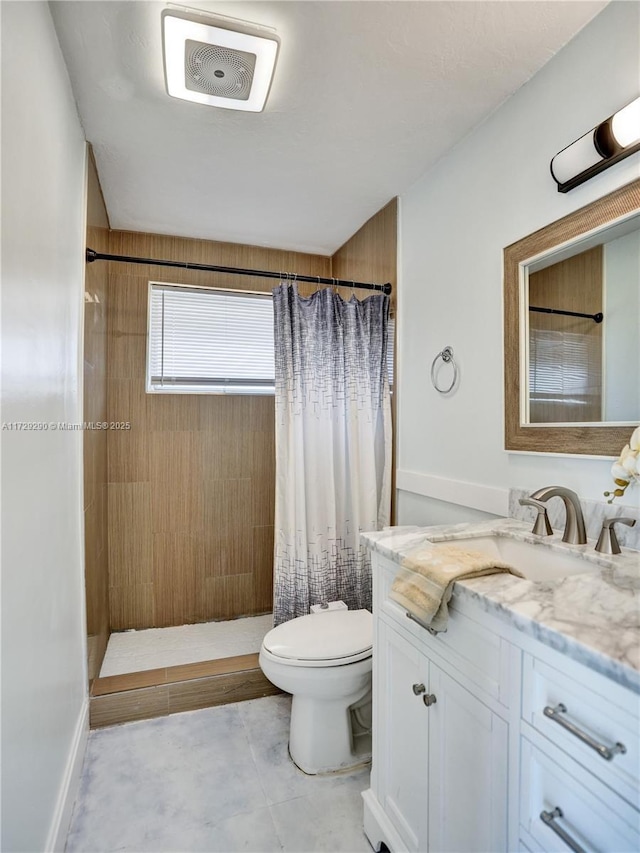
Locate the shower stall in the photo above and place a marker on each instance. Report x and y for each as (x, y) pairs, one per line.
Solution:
(179, 488)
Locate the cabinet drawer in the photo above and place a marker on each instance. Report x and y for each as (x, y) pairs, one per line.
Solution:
(480, 654)
(597, 709)
(588, 812)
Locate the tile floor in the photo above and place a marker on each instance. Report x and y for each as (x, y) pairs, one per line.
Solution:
(219, 779)
(151, 648)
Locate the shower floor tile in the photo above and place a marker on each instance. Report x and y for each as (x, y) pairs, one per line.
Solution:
(154, 648)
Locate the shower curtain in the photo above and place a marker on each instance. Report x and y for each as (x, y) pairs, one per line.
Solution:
(333, 446)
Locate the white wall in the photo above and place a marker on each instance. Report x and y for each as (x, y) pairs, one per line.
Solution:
(622, 328)
(491, 190)
(43, 636)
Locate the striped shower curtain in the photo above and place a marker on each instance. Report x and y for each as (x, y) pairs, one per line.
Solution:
(333, 446)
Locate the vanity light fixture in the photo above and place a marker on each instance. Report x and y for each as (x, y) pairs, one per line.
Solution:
(218, 61)
(611, 141)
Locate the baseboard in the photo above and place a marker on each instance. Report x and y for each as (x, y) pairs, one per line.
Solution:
(377, 826)
(69, 785)
(474, 495)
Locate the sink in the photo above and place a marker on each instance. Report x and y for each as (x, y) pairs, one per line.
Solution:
(536, 562)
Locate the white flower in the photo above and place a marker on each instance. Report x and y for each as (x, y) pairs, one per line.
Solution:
(628, 460)
(618, 472)
(627, 467)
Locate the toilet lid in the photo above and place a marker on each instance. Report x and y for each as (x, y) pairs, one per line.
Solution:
(322, 636)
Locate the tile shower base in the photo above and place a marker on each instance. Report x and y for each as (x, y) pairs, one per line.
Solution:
(152, 648)
(161, 671)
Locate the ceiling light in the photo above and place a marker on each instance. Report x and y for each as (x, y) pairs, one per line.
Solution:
(221, 63)
(611, 141)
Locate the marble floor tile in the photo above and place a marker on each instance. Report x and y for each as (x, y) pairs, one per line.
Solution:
(268, 730)
(217, 780)
(321, 822)
(143, 780)
(251, 832)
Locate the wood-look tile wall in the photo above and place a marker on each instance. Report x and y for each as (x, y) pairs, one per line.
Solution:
(95, 441)
(191, 484)
(371, 254)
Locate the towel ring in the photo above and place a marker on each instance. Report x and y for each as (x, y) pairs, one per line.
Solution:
(447, 356)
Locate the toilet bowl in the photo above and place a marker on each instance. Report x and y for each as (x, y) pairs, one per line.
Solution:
(324, 661)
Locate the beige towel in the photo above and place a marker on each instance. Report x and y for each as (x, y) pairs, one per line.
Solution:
(424, 584)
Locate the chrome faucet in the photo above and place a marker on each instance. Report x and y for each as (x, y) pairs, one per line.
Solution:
(608, 541)
(574, 531)
(541, 526)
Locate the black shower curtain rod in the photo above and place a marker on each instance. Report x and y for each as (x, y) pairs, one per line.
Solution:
(597, 318)
(287, 276)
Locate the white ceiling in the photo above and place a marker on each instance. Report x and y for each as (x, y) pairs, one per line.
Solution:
(366, 97)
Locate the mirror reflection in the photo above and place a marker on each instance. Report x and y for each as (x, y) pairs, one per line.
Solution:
(582, 342)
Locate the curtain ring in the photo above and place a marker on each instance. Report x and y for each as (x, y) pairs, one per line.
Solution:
(447, 356)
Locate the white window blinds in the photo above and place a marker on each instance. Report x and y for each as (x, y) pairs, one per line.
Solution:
(214, 341)
(564, 376)
(209, 341)
(391, 336)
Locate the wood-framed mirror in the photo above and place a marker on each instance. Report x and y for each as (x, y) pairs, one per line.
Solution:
(572, 363)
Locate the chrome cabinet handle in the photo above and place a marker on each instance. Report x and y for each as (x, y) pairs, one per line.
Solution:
(419, 689)
(549, 818)
(422, 625)
(606, 752)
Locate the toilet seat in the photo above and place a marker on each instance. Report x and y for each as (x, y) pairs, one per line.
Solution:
(325, 639)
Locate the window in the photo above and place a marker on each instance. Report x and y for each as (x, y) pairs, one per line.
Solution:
(209, 341)
(564, 377)
(205, 341)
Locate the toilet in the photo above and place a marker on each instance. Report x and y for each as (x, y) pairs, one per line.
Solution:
(324, 661)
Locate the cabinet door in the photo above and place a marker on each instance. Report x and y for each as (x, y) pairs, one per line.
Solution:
(468, 748)
(403, 741)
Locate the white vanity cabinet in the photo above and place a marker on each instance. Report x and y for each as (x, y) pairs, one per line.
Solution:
(443, 753)
(439, 777)
(482, 766)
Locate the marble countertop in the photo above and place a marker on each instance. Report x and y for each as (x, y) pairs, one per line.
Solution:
(593, 618)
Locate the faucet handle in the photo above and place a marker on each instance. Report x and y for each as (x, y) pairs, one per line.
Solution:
(541, 525)
(608, 541)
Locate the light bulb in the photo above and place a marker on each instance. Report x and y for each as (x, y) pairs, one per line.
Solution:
(625, 124)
